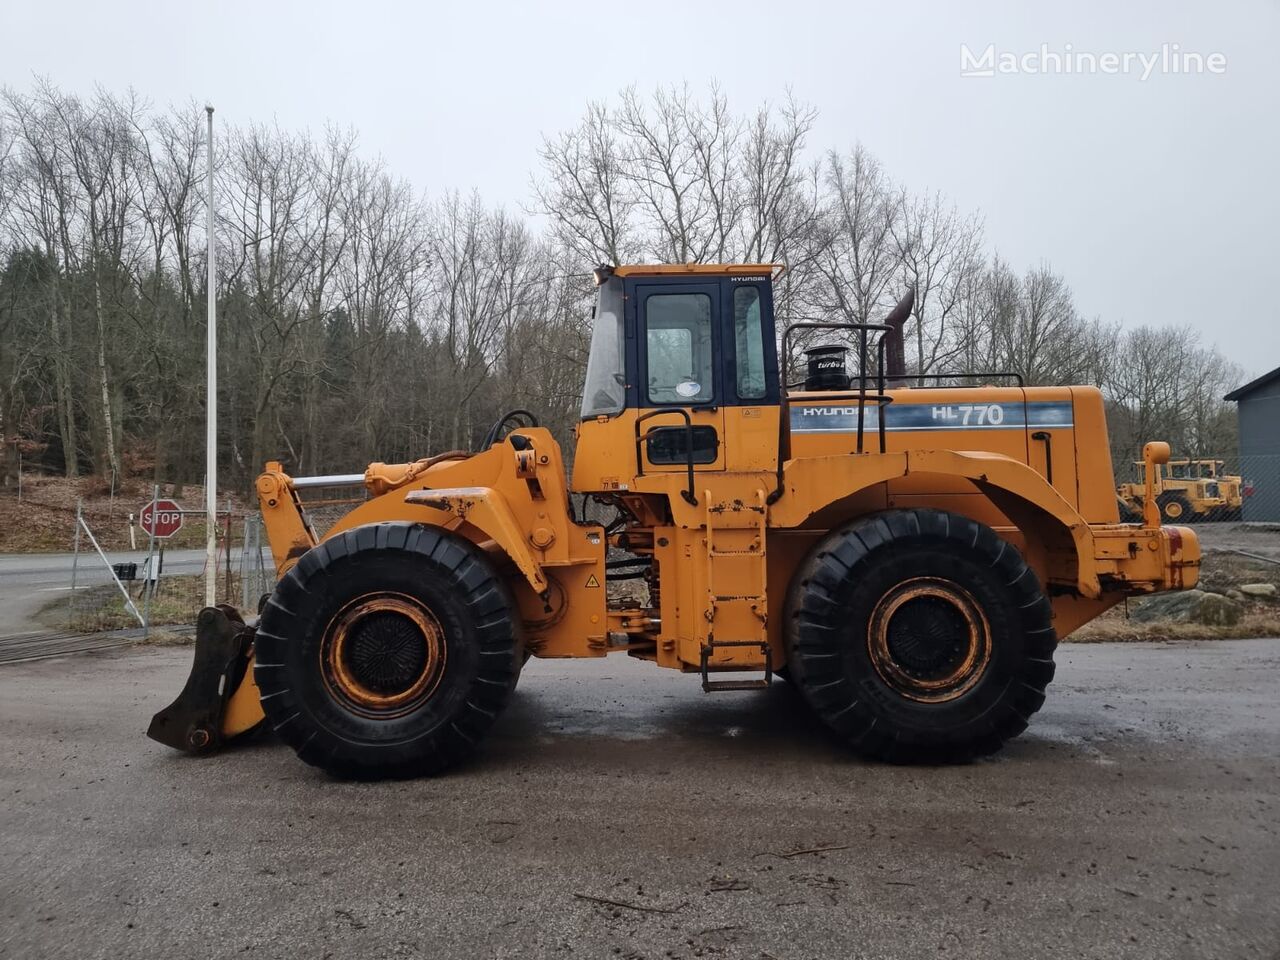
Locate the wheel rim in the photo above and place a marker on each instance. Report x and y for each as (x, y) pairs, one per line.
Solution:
(929, 640)
(1173, 509)
(383, 654)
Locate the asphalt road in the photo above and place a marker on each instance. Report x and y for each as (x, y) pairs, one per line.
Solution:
(1138, 817)
(29, 581)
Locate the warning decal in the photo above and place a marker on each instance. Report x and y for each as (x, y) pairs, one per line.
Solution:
(592, 581)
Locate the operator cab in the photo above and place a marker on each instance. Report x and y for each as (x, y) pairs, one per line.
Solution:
(681, 336)
(681, 355)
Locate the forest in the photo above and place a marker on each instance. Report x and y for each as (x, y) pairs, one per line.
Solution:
(362, 317)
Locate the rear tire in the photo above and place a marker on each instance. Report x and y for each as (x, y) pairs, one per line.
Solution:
(920, 636)
(387, 651)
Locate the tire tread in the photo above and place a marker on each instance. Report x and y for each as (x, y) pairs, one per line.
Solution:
(816, 634)
(495, 631)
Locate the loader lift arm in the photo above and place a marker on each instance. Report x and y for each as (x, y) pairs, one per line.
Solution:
(288, 530)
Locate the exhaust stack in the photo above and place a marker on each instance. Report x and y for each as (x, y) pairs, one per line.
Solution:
(895, 360)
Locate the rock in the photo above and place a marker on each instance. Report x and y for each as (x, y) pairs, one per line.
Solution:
(1235, 594)
(1165, 606)
(1217, 610)
(1189, 606)
(1258, 589)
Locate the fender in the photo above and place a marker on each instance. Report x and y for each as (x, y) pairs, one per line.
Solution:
(1021, 494)
(482, 509)
(473, 496)
(486, 510)
(1016, 489)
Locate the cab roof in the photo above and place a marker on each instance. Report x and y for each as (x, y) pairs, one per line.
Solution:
(684, 269)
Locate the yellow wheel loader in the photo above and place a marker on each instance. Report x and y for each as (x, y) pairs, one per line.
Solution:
(907, 556)
(1187, 491)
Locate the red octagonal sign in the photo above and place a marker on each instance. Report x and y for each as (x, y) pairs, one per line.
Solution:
(161, 518)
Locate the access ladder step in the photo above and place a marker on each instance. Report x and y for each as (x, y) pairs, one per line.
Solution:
(710, 686)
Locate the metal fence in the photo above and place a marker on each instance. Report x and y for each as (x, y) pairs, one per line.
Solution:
(257, 572)
(145, 582)
(1223, 489)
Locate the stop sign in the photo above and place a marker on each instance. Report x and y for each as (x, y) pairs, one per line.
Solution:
(160, 518)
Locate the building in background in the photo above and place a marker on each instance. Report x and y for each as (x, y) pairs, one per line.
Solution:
(1258, 407)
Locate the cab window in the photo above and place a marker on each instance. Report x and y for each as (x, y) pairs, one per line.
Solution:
(748, 343)
(678, 346)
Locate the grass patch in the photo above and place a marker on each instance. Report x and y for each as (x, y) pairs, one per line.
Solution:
(1219, 572)
(175, 602)
(1118, 629)
(160, 637)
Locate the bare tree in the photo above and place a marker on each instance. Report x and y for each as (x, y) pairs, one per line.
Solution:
(586, 195)
(361, 320)
(268, 190)
(852, 248)
(40, 209)
(939, 252)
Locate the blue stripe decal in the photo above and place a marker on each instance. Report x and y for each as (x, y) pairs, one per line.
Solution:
(901, 417)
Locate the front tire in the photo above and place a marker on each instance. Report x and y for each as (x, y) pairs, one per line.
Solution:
(387, 651)
(1176, 508)
(920, 636)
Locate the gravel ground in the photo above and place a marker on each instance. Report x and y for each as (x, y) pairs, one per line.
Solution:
(1262, 539)
(1138, 817)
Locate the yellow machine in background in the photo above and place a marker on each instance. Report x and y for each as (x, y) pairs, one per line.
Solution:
(906, 556)
(1188, 491)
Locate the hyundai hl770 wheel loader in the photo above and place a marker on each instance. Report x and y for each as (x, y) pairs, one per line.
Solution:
(903, 550)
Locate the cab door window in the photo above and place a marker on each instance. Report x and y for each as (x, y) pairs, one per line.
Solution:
(678, 347)
(748, 337)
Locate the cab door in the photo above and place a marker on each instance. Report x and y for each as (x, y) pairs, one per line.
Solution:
(678, 347)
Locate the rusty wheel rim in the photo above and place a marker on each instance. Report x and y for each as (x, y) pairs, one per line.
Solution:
(383, 654)
(929, 639)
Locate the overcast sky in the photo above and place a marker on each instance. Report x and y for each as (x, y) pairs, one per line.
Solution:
(1156, 197)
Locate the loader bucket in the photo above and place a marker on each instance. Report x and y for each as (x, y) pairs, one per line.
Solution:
(193, 723)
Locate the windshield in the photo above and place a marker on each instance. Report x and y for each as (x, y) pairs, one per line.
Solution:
(604, 391)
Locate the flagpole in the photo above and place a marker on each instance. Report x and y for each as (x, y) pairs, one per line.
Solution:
(211, 402)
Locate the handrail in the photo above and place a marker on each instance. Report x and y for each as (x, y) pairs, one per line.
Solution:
(1047, 439)
(331, 480)
(814, 325)
(880, 398)
(642, 438)
(976, 374)
(1021, 382)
